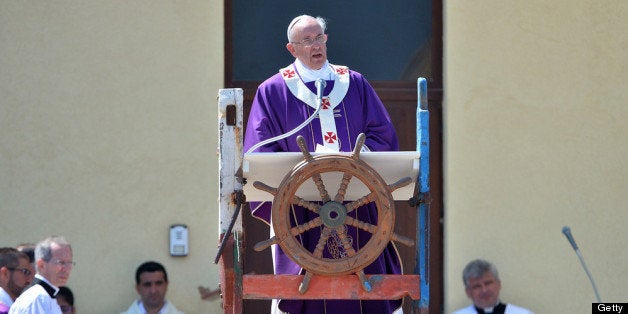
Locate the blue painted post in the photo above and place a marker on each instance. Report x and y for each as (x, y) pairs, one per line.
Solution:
(423, 234)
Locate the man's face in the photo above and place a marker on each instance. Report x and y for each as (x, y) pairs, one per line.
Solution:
(152, 289)
(18, 280)
(313, 56)
(57, 269)
(484, 290)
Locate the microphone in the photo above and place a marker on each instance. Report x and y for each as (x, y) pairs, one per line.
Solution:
(567, 233)
(320, 86)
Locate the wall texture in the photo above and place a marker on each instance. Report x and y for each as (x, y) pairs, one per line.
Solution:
(535, 139)
(108, 120)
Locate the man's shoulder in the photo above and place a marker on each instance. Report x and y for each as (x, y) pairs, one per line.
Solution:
(33, 297)
(513, 309)
(133, 308)
(171, 309)
(275, 80)
(5, 298)
(467, 310)
(32, 292)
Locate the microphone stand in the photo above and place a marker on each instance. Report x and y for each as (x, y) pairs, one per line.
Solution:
(567, 232)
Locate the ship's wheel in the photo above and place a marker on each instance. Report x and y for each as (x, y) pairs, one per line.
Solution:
(333, 214)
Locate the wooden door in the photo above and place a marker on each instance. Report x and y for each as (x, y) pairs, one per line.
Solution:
(254, 40)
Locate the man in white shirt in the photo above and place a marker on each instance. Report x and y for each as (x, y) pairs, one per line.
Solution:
(482, 285)
(53, 257)
(151, 284)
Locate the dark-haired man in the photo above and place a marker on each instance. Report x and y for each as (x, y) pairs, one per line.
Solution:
(151, 283)
(15, 275)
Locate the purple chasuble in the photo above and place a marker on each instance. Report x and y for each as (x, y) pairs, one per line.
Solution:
(275, 111)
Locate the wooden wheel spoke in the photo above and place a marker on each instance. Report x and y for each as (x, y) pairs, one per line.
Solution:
(314, 207)
(365, 282)
(361, 201)
(264, 187)
(297, 230)
(318, 181)
(325, 234)
(305, 283)
(399, 184)
(361, 224)
(342, 190)
(402, 239)
(260, 246)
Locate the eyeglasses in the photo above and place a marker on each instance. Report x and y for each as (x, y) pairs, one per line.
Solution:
(24, 271)
(66, 308)
(63, 263)
(308, 42)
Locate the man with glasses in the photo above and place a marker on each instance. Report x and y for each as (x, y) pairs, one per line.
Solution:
(15, 275)
(29, 250)
(53, 258)
(349, 107)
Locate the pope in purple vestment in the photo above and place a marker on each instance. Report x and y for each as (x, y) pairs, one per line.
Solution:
(279, 106)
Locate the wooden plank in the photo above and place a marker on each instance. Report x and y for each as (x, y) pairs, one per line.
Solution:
(423, 232)
(227, 277)
(230, 126)
(384, 287)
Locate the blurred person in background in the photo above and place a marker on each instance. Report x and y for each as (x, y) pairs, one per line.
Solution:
(15, 275)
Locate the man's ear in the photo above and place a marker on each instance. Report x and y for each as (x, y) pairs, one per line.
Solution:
(3, 271)
(291, 49)
(39, 265)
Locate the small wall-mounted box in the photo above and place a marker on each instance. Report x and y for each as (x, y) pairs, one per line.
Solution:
(179, 240)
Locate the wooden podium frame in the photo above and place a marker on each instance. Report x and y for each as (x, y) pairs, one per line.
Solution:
(236, 286)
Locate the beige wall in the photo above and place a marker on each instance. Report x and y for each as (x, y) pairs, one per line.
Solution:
(535, 139)
(108, 120)
(108, 123)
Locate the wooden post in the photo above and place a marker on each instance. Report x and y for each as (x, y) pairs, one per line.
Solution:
(423, 232)
(230, 179)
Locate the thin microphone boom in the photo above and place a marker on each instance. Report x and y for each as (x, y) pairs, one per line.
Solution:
(567, 232)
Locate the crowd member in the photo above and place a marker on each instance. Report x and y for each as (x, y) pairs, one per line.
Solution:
(28, 249)
(350, 107)
(15, 275)
(53, 257)
(151, 283)
(65, 299)
(482, 285)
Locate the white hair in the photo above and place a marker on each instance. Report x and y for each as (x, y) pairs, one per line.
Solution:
(321, 21)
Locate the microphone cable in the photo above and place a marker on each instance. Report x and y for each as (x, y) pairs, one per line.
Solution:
(320, 83)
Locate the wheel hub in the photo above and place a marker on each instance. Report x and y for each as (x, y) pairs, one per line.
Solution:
(333, 214)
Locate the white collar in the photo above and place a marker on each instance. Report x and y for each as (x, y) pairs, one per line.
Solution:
(42, 278)
(309, 75)
(143, 309)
